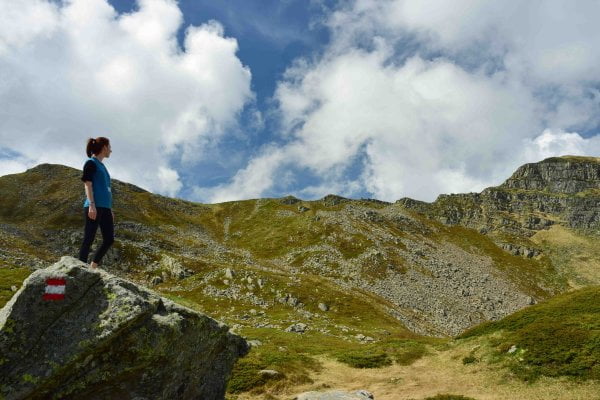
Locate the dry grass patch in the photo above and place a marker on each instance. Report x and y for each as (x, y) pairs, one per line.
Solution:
(440, 372)
(578, 256)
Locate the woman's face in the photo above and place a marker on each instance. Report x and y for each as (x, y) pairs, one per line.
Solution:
(107, 150)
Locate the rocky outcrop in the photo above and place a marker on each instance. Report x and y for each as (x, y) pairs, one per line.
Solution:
(289, 200)
(73, 333)
(333, 200)
(569, 174)
(557, 190)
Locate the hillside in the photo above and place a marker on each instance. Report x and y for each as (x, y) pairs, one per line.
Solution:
(351, 279)
(439, 267)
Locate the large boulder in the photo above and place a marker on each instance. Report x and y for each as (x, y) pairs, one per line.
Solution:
(75, 333)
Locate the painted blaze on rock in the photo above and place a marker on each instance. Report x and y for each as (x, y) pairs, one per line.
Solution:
(108, 338)
(55, 289)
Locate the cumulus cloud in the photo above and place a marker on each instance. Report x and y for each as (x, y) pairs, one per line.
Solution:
(78, 69)
(550, 144)
(11, 167)
(437, 97)
(257, 177)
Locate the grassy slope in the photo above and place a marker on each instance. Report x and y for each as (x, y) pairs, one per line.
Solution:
(255, 225)
(557, 337)
(575, 255)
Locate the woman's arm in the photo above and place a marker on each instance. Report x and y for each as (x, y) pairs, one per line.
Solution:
(89, 192)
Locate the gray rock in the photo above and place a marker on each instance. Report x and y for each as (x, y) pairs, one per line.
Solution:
(293, 301)
(289, 200)
(156, 280)
(323, 307)
(269, 373)
(332, 200)
(364, 338)
(229, 273)
(336, 395)
(174, 267)
(109, 338)
(298, 328)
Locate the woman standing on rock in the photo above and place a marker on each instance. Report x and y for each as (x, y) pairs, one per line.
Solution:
(98, 203)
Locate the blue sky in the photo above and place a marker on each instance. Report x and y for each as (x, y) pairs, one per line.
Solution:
(270, 34)
(214, 101)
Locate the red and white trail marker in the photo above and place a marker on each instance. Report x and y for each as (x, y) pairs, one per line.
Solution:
(55, 289)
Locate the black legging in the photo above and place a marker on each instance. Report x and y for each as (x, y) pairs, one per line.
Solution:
(105, 220)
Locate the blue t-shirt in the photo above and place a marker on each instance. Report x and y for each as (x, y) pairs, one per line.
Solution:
(95, 171)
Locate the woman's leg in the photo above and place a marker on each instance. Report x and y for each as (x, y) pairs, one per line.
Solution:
(88, 235)
(106, 227)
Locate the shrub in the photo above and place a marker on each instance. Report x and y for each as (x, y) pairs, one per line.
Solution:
(410, 353)
(364, 359)
(469, 360)
(444, 396)
(245, 376)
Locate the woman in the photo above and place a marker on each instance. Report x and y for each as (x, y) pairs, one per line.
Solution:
(98, 203)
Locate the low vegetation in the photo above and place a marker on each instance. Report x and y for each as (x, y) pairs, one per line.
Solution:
(557, 337)
(11, 278)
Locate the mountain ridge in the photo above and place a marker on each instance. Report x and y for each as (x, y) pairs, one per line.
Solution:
(362, 281)
(439, 264)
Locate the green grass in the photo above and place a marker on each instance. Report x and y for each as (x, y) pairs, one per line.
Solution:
(557, 337)
(256, 226)
(245, 375)
(294, 355)
(469, 360)
(10, 276)
(362, 358)
(294, 368)
(573, 159)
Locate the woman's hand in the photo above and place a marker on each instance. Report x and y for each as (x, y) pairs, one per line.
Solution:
(113, 214)
(92, 212)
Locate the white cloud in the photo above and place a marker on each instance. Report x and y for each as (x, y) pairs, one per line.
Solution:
(12, 166)
(258, 176)
(486, 87)
(79, 69)
(168, 180)
(25, 21)
(550, 143)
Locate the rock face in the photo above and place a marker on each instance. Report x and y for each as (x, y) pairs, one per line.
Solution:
(108, 338)
(557, 174)
(558, 190)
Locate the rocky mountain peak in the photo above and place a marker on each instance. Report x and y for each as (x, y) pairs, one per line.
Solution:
(565, 174)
